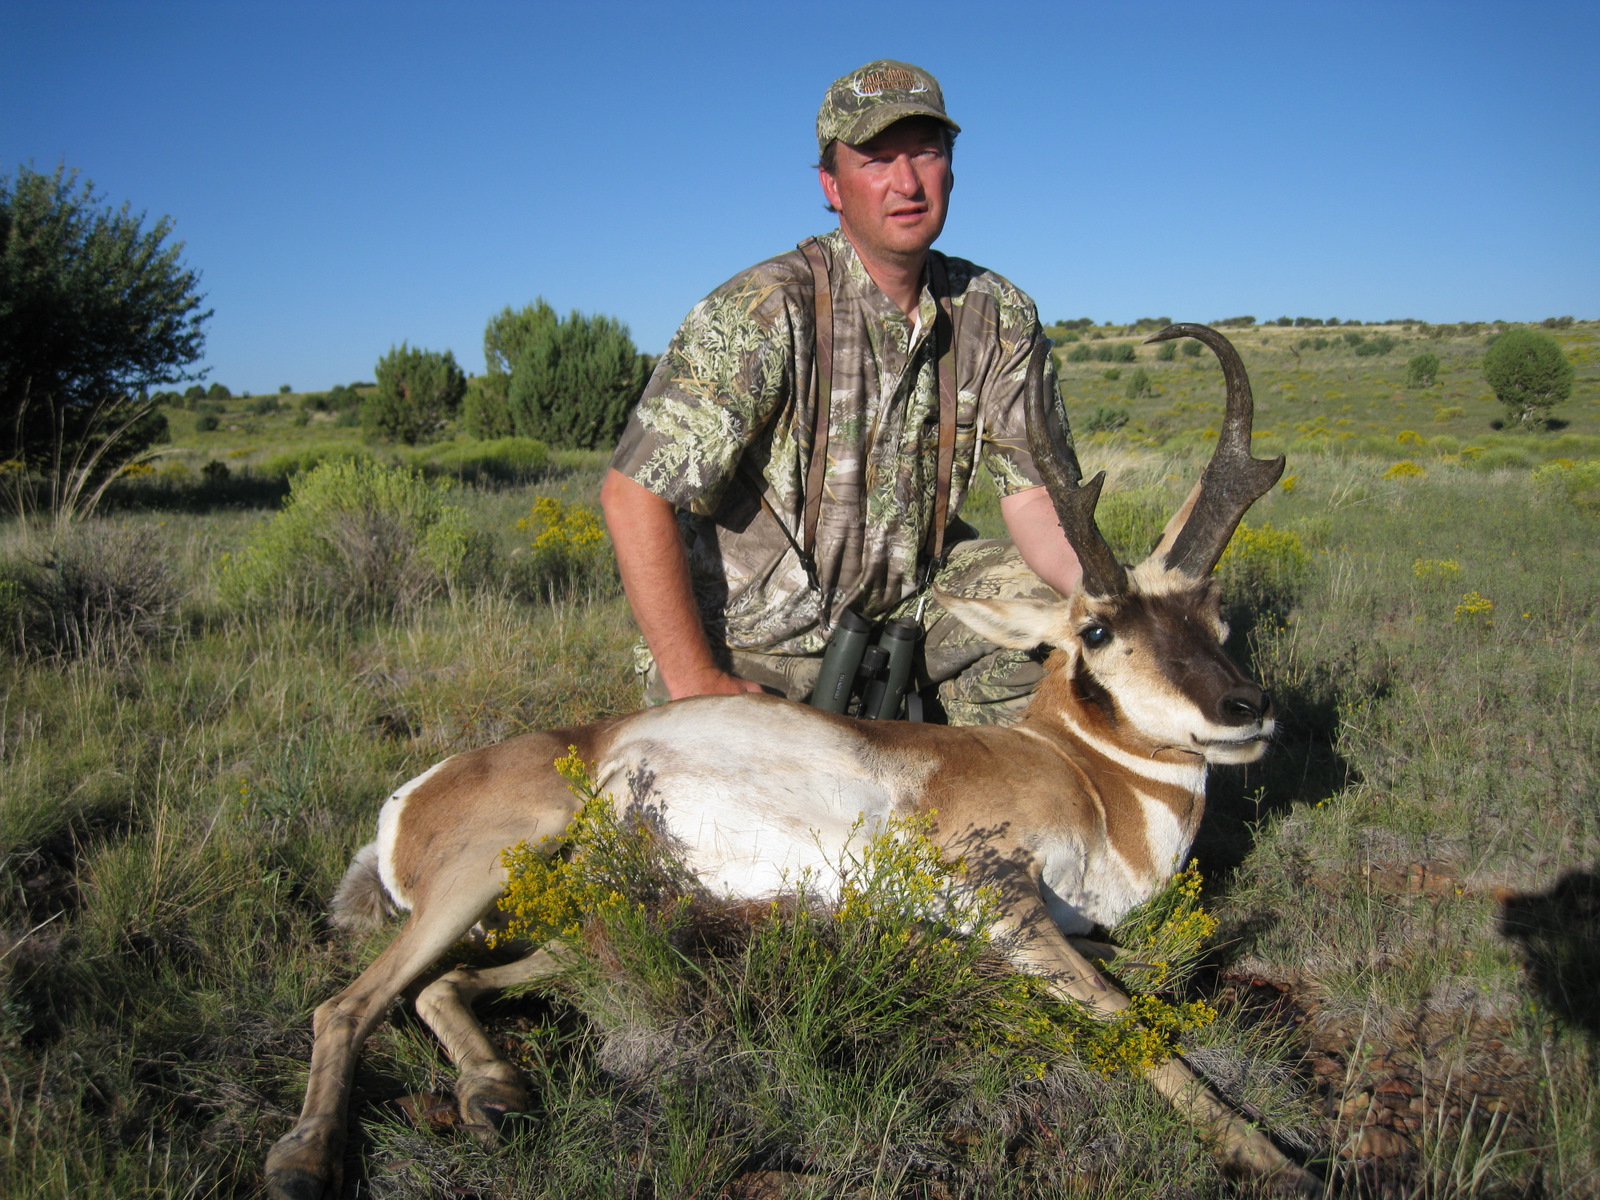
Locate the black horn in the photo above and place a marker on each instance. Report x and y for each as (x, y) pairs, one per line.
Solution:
(1233, 481)
(1058, 465)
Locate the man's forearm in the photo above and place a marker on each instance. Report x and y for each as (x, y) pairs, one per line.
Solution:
(655, 576)
(1031, 521)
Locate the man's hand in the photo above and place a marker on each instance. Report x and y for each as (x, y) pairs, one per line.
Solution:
(655, 576)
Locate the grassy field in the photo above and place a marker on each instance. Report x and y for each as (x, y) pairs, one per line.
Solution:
(1408, 886)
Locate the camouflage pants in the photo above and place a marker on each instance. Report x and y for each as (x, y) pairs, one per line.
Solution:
(978, 683)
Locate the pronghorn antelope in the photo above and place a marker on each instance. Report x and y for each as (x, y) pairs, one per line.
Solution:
(1078, 812)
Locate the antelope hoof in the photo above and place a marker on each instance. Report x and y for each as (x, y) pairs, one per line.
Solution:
(486, 1102)
(302, 1166)
(1291, 1180)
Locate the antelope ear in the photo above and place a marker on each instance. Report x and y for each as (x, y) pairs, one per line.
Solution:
(1017, 624)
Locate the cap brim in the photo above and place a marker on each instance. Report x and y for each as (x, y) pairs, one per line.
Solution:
(875, 120)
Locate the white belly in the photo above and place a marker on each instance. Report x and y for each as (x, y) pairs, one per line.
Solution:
(756, 808)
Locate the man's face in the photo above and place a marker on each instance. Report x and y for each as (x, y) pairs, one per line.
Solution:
(892, 192)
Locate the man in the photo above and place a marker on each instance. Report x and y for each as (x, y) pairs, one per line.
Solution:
(735, 585)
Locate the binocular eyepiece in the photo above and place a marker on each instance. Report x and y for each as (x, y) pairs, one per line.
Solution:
(875, 674)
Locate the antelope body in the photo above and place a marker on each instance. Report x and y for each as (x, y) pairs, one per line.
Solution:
(1077, 813)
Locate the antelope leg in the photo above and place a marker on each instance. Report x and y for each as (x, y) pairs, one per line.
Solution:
(306, 1163)
(489, 1087)
(1239, 1145)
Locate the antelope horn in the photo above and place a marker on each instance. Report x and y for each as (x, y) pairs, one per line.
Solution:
(1058, 465)
(1233, 481)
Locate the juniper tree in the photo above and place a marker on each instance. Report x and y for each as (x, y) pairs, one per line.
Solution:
(418, 392)
(567, 381)
(1528, 373)
(95, 311)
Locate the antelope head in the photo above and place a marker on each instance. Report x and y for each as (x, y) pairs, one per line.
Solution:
(1141, 647)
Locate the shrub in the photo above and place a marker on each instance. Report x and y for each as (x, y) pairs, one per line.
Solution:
(1380, 344)
(1352, 339)
(97, 591)
(206, 422)
(1405, 470)
(264, 405)
(1448, 413)
(1106, 420)
(1103, 352)
(355, 538)
(284, 389)
(217, 392)
(1435, 570)
(503, 460)
(1234, 323)
(289, 463)
(1138, 384)
(1422, 370)
(1166, 351)
(418, 392)
(1079, 353)
(1123, 352)
(1263, 567)
(1578, 483)
(194, 392)
(1112, 374)
(568, 551)
(1192, 348)
(875, 990)
(1528, 373)
(1132, 521)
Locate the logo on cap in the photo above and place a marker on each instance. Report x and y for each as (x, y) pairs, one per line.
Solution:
(887, 79)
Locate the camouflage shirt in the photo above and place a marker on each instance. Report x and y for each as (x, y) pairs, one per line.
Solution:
(729, 411)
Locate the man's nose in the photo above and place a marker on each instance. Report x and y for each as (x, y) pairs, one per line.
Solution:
(904, 177)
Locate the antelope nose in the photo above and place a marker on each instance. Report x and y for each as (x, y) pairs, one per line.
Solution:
(1245, 704)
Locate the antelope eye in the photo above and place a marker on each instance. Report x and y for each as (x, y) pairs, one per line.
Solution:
(1095, 636)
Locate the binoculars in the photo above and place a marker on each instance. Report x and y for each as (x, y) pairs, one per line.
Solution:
(874, 676)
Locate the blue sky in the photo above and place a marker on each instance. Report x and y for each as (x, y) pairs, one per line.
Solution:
(347, 176)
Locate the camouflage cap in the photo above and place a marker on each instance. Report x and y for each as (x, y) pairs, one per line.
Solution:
(864, 103)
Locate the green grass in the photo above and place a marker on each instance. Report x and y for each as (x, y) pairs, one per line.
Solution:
(1408, 883)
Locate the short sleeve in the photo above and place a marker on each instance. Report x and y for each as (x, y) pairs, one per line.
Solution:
(726, 372)
(1005, 437)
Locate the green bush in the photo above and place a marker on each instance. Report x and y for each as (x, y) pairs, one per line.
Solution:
(194, 392)
(206, 422)
(1192, 348)
(1422, 370)
(1132, 521)
(1102, 352)
(1380, 344)
(1528, 373)
(1106, 420)
(484, 414)
(1138, 384)
(502, 460)
(263, 406)
(355, 538)
(1354, 339)
(1578, 483)
(1113, 374)
(569, 382)
(1079, 353)
(1123, 352)
(289, 463)
(217, 392)
(419, 391)
(568, 554)
(1166, 351)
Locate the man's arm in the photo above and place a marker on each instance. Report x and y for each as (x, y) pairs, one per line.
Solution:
(655, 576)
(1031, 521)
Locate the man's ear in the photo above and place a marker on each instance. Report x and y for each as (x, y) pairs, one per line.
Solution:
(830, 187)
